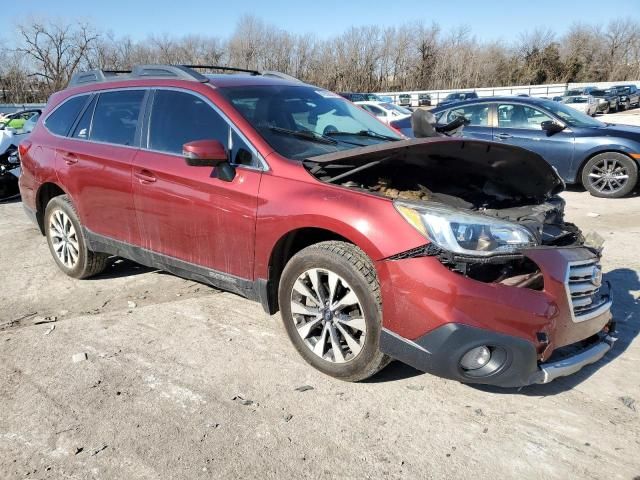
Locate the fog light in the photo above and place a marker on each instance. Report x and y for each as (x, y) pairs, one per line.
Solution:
(475, 358)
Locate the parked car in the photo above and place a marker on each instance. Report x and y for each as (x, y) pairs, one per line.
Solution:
(600, 156)
(404, 100)
(385, 112)
(607, 100)
(629, 96)
(424, 100)
(361, 97)
(586, 104)
(12, 132)
(449, 254)
(580, 91)
(458, 97)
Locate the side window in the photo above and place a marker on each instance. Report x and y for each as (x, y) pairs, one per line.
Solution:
(520, 116)
(61, 120)
(116, 117)
(178, 118)
(477, 115)
(240, 151)
(84, 124)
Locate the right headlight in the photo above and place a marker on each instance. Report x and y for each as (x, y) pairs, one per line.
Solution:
(465, 233)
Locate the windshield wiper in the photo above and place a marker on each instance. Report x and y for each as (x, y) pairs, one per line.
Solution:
(365, 133)
(305, 134)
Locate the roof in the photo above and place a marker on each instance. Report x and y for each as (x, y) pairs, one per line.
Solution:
(512, 99)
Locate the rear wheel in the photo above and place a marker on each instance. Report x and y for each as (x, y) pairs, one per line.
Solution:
(330, 303)
(67, 243)
(610, 175)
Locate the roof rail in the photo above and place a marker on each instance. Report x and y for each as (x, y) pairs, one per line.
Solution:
(183, 72)
(219, 67)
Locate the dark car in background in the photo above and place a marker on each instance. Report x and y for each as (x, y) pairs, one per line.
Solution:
(603, 157)
(457, 97)
(629, 96)
(607, 100)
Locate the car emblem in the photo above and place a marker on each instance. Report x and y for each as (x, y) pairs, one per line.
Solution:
(596, 276)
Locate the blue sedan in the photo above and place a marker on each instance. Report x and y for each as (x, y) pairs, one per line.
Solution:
(603, 157)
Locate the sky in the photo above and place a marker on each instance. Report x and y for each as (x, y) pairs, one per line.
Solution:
(488, 20)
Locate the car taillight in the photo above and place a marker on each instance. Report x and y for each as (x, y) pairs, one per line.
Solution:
(24, 147)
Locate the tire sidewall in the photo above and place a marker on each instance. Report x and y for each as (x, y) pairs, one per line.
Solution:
(631, 182)
(323, 259)
(61, 203)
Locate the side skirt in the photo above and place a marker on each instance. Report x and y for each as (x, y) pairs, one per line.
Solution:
(252, 290)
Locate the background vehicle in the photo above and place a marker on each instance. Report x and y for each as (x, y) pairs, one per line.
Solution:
(607, 100)
(360, 97)
(458, 97)
(602, 157)
(424, 100)
(580, 91)
(404, 100)
(10, 137)
(231, 180)
(629, 96)
(385, 112)
(583, 103)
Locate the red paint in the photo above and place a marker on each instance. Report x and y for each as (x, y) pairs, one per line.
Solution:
(156, 201)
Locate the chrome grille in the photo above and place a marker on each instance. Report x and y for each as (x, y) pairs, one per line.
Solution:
(583, 283)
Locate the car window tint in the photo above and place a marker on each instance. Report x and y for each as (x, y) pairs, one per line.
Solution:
(84, 124)
(116, 117)
(477, 115)
(61, 120)
(178, 118)
(375, 110)
(520, 116)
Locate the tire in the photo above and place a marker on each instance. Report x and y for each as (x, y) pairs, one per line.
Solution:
(66, 241)
(610, 175)
(607, 110)
(356, 358)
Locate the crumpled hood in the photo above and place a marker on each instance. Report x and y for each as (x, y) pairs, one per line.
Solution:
(514, 169)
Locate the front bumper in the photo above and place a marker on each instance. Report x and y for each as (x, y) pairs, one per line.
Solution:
(433, 316)
(439, 352)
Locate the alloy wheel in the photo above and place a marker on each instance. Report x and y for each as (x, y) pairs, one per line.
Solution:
(328, 315)
(608, 176)
(64, 238)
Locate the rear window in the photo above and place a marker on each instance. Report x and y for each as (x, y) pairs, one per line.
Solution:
(61, 120)
(116, 117)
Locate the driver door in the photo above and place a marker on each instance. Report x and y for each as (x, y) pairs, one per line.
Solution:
(185, 212)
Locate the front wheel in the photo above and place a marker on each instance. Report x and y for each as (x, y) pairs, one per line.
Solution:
(330, 304)
(67, 243)
(610, 175)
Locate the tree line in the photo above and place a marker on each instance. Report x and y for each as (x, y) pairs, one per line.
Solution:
(415, 56)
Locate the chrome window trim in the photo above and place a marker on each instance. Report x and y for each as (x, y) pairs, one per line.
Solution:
(263, 165)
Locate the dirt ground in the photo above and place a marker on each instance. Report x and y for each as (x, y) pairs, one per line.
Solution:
(183, 381)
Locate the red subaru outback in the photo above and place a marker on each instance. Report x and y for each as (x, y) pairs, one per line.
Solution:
(450, 255)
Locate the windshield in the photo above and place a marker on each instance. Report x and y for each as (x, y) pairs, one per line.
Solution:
(396, 108)
(570, 116)
(576, 100)
(571, 93)
(304, 121)
(623, 90)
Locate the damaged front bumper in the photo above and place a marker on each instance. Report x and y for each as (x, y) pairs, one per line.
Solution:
(437, 316)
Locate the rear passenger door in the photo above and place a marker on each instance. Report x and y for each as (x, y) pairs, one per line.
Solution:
(479, 126)
(94, 163)
(185, 212)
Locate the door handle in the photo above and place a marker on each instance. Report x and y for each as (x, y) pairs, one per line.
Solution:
(504, 136)
(69, 158)
(145, 176)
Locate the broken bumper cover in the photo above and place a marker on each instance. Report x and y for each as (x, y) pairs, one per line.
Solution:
(439, 352)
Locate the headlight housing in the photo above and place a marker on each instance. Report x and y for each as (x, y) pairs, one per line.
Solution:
(463, 232)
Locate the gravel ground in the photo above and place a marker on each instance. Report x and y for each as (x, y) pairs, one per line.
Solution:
(183, 381)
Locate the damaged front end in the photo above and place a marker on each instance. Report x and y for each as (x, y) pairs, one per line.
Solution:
(479, 204)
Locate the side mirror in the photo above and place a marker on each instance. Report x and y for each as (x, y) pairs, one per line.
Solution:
(209, 153)
(551, 127)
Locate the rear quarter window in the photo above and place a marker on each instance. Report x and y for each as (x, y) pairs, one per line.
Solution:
(63, 117)
(115, 118)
